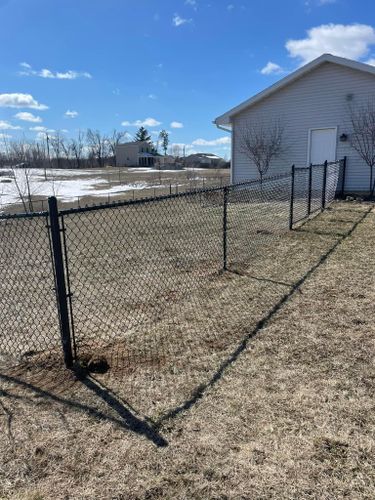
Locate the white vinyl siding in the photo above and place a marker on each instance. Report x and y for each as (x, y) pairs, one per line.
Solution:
(318, 99)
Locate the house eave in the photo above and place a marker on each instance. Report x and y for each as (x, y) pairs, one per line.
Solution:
(226, 118)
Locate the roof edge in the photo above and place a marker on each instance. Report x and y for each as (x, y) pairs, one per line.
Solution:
(225, 118)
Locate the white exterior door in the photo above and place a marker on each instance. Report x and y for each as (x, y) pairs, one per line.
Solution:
(322, 145)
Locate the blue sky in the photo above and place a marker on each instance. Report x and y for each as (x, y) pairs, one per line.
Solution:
(68, 65)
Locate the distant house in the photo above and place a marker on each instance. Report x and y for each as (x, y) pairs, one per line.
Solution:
(135, 154)
(204, 160)
(168, 162)
(313, 104)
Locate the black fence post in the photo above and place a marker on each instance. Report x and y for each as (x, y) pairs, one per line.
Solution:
(343, 177)
(324, 187)
(292, 198)
(60, 284)
(225, 226)
(310, 188)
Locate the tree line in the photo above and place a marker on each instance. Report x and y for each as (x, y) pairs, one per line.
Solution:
(91, 148)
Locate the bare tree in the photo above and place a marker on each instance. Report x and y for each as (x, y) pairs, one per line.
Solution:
(176, 151)
(98, 146)
(20, 155)
(56, 142)
(261, 142)
(113, 141)
(362, 119)
(67, 149)
(77, 147)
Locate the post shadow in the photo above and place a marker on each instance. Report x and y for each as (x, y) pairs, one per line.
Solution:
(126, 418)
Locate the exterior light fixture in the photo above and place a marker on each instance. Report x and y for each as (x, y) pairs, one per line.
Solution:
(343, 137)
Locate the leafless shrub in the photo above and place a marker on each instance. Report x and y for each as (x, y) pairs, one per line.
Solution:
(261, 142)
(362, 119)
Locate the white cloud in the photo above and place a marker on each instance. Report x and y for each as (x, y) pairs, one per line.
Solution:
(216, 142)
(18, 100)
(5, 136)
(148, 122)
(271, 69)
(28, 117)
(177, 125)
(179, 21)
(230, 7)
(38, 128)
(47, 73)
(152, 96)
(352, 41)
(371, 61)
(318, 3)
(41, 136)
(42, 132)
(192, 3)
(71, 114)
(8, 126)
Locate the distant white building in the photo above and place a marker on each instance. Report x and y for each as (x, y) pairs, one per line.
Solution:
(203, 160)
(135, 154)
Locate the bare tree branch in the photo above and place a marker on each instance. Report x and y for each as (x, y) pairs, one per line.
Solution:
(362, 119)
(261, 142)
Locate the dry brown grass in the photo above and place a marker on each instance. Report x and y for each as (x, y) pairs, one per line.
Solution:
(271, 392)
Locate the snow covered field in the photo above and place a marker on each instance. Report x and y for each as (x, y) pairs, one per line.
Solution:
(72, 185)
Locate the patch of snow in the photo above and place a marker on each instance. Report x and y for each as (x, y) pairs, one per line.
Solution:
(64, 189)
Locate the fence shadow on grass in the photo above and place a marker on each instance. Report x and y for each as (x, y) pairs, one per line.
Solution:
(122, 414)
(295, 287)
(108, 405)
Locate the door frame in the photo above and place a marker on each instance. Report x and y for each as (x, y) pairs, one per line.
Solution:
(309, 140)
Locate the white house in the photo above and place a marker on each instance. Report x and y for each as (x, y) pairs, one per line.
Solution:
(135, 154)
(314, 106)
(204, 160)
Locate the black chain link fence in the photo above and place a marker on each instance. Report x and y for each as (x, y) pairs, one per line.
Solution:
(140, 284)
(28, 318)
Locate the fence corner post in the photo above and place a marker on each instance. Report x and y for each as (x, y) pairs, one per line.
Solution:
(225, 226)
(60, 283)
(293, 173)
(343, 177)
(324, 186)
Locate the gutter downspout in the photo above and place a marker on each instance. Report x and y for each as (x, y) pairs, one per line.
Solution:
(230, 130)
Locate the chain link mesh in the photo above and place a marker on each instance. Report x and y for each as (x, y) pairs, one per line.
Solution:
(301, 194)
(257, 213)
(145, 279)
(333, 174)
(316, 187)
(28, 319)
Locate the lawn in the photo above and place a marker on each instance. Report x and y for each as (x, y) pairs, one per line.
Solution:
(259, 383)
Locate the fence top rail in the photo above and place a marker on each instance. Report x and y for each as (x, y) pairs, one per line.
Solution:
(329, 163)
(24, 215)
(184, 194)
